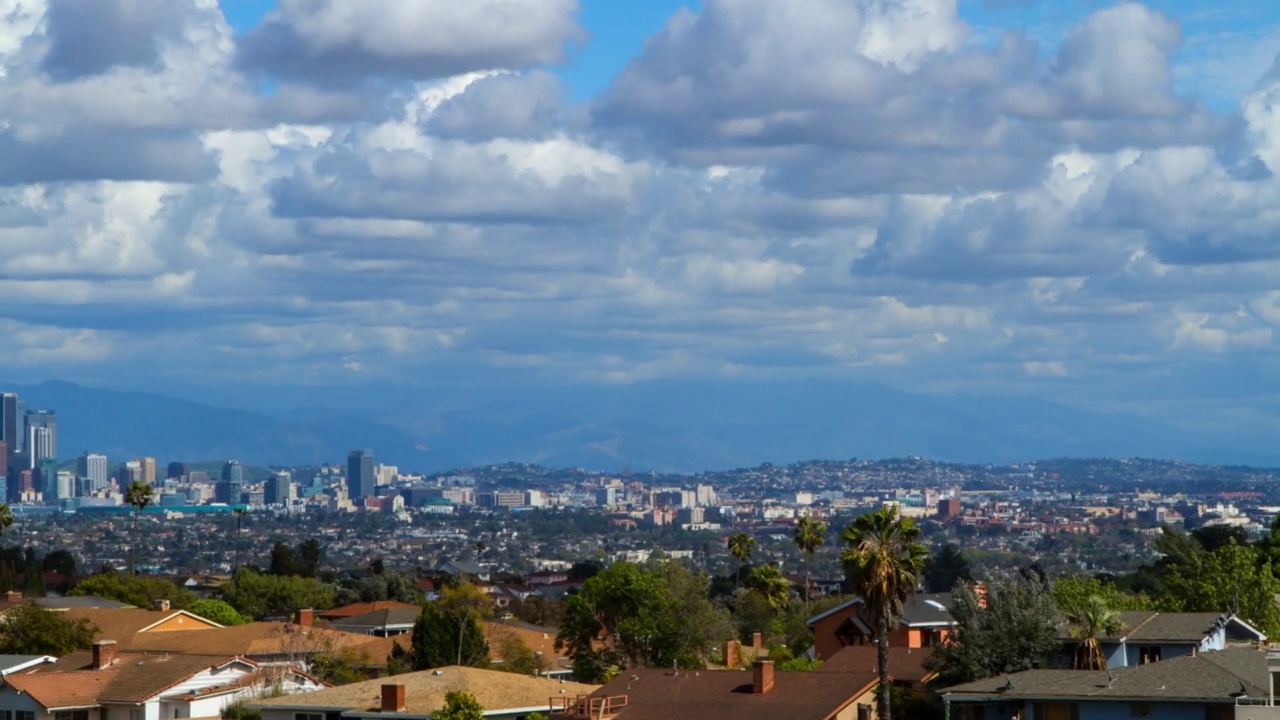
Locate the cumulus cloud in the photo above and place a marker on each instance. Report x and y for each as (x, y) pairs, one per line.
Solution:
(332, 41)
(375, 188)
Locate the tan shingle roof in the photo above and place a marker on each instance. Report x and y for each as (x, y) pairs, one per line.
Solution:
(425, 691)
(123, 624)
(133, 677)
(253, 640)
(362, 608)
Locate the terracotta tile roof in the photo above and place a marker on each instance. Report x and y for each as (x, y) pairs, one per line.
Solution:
(134, 677)
(124, 624)
(252, 640)
(425, 691)
(362, 608)
(715, 694)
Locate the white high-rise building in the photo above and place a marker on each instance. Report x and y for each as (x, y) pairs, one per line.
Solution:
(93, 468)
(706, 495)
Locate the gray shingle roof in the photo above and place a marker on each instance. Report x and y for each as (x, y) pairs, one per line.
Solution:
(1214, 676)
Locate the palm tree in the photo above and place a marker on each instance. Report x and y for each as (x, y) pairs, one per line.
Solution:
(1090, 618)
(772, 584)
(741, 546)
(808, 537)
(239, 512)
(138, 495)
(883, 560)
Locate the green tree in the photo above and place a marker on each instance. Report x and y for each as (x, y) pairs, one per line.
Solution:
(1212, 537)
(218, 611)
(137, 591)
(33, 578)
(1234, 578)
(342, 667)
(741, 545)
(1088, 619)
(459, 705)
(138, 495)
(60, 561)
(1010, 626)
(464, 606)
(1075, 590)
(309, 554)
(258, 595)
(6, 517)
(770, 583)
(947, 568)
(883, 560)
(436, 643)
(808, 536)
(31, 630)
(653, 617)
(283, 562)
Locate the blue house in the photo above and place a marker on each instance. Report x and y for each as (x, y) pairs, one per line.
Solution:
(1151, 636)
(1231, 684)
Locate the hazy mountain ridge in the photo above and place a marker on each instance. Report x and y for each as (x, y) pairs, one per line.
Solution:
(669, 426)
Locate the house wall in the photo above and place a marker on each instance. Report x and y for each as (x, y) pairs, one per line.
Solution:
(1089, 710)
(825, 641)
(181, 622)
(1133, 652)
(12, 701)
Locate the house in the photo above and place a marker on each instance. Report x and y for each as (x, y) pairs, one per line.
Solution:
(124, 625)
(413, 696)
(906, 665)
(541, 640)
(17, 663)
(387, 622)
(926, 621)
(463, 568)
(1232, 684)
(266, 643)
(761, 694)
(106, 681)
(1154, 636)
(78, 601)
(354, 609)
(547, 577)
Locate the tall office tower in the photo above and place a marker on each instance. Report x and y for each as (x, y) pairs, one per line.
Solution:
(232, 483)
(10, 430)
(706, 495)
(130, 472)
(65, 486)
(147, 468)
(40, 428)
(278, 488)
(177, 470)
(93, 468)
(361, 479)
(47, 477)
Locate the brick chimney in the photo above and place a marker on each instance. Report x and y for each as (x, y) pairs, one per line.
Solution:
(104, 653)
(757, 642)
(306, 617)
(393, 699)
(732, 656)
(160, 604)
(762, 672)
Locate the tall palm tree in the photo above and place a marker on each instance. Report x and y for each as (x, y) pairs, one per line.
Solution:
(883, 559)
(772, 584)
(741, 546)
(239, 512)
(808, 537)
(1089, 618)
(138, 495)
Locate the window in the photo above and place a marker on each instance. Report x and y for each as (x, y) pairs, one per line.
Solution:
(864, 712)
(1057, 711)
(1140, 709)
(24, 715)
(71, 715)
(308, 716)
(1219, 712)
(1148, 654)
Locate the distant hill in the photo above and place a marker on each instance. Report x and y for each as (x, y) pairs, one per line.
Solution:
(669, 426)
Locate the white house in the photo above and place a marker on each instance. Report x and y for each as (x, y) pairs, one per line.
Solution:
(108, 684)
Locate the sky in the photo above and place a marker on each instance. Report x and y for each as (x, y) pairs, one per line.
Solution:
(1070, 199)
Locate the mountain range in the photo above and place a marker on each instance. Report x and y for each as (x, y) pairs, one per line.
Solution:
(660, 425)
